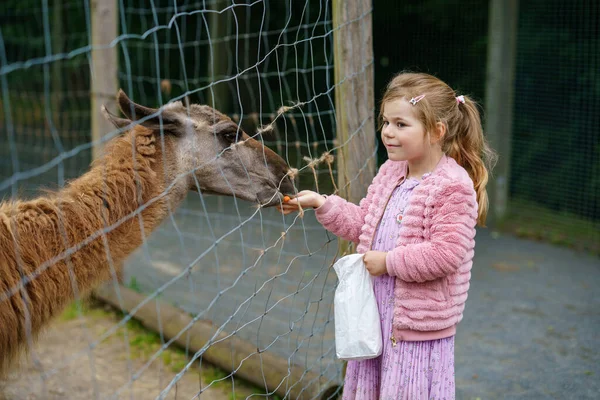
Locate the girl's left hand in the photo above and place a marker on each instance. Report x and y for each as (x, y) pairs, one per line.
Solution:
(375, 262)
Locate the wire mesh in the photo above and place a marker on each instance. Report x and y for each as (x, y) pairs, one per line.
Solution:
(555, 161)
(251, 274)
(553, 188)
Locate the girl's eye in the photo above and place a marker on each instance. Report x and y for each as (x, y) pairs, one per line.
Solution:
(385, 123)
(400, 124)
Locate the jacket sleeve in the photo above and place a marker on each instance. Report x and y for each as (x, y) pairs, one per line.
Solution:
(345, 219)
(451, 236)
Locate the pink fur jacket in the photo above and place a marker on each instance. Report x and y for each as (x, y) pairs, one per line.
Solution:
(434, 252)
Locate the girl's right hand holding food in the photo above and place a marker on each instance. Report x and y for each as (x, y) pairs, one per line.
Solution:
(305, 198)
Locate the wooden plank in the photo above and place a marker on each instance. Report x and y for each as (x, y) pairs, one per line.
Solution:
(104, 80)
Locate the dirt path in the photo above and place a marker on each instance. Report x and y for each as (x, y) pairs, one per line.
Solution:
(63, 366)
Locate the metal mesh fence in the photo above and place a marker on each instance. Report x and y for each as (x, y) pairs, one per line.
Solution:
(556, 143)
(46, 106)
(553, 190)
(250, 274)
(254, 276)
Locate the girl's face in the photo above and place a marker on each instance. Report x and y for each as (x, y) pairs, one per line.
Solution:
(402, 133)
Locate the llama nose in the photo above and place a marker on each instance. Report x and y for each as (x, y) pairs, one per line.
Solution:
(287, 185)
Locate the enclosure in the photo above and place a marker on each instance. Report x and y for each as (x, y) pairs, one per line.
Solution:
(251, 291)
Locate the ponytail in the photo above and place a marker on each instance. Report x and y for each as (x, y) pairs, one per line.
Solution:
(467, 145)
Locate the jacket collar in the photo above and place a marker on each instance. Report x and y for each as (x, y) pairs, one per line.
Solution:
(402, 166)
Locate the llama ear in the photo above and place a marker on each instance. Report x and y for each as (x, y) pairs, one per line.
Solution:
(119, 123)
(151, 116)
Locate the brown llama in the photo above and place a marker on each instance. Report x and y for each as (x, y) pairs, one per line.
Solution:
(66, 243)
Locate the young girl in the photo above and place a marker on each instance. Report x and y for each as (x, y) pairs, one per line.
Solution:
(416, 228)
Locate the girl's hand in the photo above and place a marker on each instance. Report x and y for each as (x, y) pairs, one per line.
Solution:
(305, 198)
(375, 262)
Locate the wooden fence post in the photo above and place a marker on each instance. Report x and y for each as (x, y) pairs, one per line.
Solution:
(104, 79)
(218, 60)
(57, 48)
(503, 21)
(354, 99)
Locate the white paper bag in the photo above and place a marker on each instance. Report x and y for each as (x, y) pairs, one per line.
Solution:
(357, 326)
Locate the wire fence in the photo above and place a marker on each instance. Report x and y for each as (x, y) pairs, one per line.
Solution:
(248, 275)
(255, 277)
(553, 153)
(46, 107)
(555, 159)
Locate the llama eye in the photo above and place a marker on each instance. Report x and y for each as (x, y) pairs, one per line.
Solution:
(228, 131)
(231, 136)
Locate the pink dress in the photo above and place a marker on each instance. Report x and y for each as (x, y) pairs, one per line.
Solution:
(409, 370)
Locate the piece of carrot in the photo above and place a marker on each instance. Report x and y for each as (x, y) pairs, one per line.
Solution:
(286, 199)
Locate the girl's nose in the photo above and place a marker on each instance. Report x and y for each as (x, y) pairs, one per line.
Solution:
(386, 131)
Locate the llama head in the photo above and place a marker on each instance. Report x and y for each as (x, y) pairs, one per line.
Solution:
(211, 151)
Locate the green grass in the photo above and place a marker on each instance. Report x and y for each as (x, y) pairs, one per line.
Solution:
(134, 285)
(144, 343)
(531, 221)
(72, 311)
(212, 374)
(80, 308)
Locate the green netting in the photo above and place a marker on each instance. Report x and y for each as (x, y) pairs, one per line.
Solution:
(555, 165)
(555, 161)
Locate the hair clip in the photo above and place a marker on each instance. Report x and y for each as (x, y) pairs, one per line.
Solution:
(417, 99)
(460, 99)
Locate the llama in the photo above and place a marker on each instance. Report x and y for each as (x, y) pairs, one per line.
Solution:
(56, 246)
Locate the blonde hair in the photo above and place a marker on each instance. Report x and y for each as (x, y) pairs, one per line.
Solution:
(463, 141)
